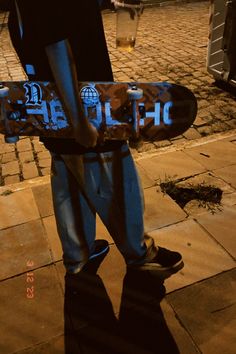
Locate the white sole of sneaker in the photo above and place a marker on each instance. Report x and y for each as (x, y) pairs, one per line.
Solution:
(155, 268)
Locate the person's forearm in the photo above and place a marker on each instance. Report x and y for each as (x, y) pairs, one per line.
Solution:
(64, 72)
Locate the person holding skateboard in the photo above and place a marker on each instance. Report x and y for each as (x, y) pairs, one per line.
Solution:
(66, 44)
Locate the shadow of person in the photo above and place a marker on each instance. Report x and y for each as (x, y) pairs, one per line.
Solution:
(90, 323)
(141, 320)
(91, 326)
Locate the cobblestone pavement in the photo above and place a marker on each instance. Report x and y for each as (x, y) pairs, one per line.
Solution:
(171, 46)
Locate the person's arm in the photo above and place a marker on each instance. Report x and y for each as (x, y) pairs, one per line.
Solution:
(62, 65)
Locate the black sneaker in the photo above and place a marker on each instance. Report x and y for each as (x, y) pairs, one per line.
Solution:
(165, 261)
(101, 248)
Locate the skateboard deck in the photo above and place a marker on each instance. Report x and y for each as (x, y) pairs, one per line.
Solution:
(149, 111)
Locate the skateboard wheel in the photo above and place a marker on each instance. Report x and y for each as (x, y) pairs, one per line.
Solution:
(135, 93)
(11, 139)
(4, 91)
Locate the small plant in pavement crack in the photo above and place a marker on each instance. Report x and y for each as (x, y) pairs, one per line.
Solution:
(208, 196)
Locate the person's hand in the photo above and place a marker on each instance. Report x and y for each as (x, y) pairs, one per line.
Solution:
(87, 135)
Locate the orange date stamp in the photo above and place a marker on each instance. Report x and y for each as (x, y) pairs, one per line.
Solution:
(30, 279)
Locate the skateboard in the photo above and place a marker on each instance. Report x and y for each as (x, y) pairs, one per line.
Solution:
(122, 111)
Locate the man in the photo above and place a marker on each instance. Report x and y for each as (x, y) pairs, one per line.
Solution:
(66, 43)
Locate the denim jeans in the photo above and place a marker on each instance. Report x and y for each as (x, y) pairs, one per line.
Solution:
(106, 184)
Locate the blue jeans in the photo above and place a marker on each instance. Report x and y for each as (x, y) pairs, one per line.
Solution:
(106, 184)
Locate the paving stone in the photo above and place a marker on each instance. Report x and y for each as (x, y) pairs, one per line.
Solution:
(44, 155)
(205, 130)
(11, 180)
(44, 163)
(54, 346)
(8, 157)
(30, 170)
(160, 210)
(26, 156)
(195, 208)
(228, 174)
(192, 134)
(17, 208)
(29, 243)
(213, 155)
(222, 226)
(146, 181)
(38, 146)
(43, 198)
(202, 255)
(207, 310)
(181, 336)
(46, 171)
(53, 238)
(171, 165)
(112, 271)
(31, 311)
(208, 179)
(24, 145)
(229, 199)
(162, 143)
(5, 148)
(10, 168)
(142, 313)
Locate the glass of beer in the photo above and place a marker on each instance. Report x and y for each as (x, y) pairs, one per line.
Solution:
(128, 13)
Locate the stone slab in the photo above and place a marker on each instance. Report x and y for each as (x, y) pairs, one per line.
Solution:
(229, 199)
(180, 334)
(195, 207)
(53, 238)
(172, 165)
(202, 255)
(208, 311)
(112, 271)
(160, 210)
(43, 199)
(146, 181)
(228, 174)
(30, 316)
(214, 155)
(54, 346)
(222, 226)
(17, 208)
(22, 244)
(209, 179)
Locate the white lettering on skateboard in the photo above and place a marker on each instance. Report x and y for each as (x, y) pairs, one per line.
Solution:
(53, 116)
(33, 93)
(157, 115)
(92, 106)
(52, 112)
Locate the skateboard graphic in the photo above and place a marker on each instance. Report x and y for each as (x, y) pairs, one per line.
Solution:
(122, 111)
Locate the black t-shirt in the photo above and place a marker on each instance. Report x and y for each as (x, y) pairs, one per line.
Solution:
(45, 22)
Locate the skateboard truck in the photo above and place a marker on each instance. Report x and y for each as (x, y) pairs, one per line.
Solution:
(135, 94)
(4, 92)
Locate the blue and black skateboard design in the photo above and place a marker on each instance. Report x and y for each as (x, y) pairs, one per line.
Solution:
(122, 111)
